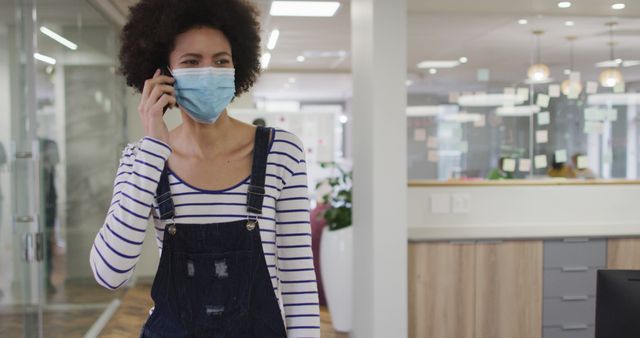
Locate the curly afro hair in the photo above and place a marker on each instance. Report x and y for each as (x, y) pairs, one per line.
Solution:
(149, 35)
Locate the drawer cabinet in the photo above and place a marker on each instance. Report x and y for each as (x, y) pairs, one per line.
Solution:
(569, 287)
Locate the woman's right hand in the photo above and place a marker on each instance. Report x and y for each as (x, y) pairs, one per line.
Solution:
(157, 93)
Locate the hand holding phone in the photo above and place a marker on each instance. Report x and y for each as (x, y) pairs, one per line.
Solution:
(157, 96)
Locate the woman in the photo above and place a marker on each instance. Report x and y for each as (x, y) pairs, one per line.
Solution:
(228, 200)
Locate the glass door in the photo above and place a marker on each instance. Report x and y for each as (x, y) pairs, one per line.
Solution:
(21, 238)
(62, 129)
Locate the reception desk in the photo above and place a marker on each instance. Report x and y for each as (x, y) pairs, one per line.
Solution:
(515, 258)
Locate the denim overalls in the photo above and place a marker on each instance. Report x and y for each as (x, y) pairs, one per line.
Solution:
(213, 280)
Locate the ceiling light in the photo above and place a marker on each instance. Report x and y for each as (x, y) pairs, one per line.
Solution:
(304, 8)
(300, 58)
(489, 100)
(618, 6)
(273, 39)
(59, 38)
(264, 60)
(523, 21)
(424, 111)
(461, 117)
(517, 110)
(538, 72)
(616, 99)
(571, 88)
(432, 70)
(463, 60)
(569, 23)
(292, 80)
(438, 64)
(564, 4)
(610, 77)
(567, 71)
(44, 58)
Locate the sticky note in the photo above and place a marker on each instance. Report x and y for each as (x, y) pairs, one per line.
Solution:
(509, 165)
(483, 75)
(561, 156)
(594, 114)
(542, 136)
(432, 142)
(573, 94)
(525, 165)
(583, 162)
(463, 147)
(432, 156)
(540, 161)
(481, 122)
(420, 134)
(593, 127)
(544, 118)
(543, 100)
(523, 93)
(592, 87)
(554, 90)
(619, 88)
(456, 133)
(574, 77)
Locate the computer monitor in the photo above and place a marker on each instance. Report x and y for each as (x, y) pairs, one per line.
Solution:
(618, 304)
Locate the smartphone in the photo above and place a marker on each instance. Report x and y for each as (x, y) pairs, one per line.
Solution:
(164, 70)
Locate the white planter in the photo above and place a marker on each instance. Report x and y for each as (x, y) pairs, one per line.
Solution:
(336, 265)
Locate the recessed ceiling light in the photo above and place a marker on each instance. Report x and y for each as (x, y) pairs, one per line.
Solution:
(438, 64)
(618, 6)
(567, 71)
(304, 8)
(463, 60)
(44, 58)
(564, 4)
(569, 23)
(300, 58)
(273, 39)
(292, 80)
(59, 38)
(264, 60)
(523, 21)
(433, 71)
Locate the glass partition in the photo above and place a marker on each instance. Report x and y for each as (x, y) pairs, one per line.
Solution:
(523, 91)
(62, 128)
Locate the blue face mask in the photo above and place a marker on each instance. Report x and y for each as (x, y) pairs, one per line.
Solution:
(204, 92)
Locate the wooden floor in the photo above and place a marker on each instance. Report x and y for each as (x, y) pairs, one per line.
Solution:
(135, 306)
(68, 313)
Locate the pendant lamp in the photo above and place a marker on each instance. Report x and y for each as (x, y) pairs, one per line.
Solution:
(538, 72)
(611, 77)
(569, 87)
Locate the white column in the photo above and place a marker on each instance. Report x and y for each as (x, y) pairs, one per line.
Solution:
(380, 168)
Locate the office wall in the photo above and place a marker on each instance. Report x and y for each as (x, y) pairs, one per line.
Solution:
(527, 211)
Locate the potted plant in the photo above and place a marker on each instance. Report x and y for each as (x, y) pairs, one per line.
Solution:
(336, 248)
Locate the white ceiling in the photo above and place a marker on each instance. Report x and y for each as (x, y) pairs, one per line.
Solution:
(485, 31)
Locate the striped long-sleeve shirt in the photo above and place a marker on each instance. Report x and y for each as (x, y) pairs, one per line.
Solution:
(285, 227)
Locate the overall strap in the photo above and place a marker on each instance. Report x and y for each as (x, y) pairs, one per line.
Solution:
(255, 195)
(163, 195)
